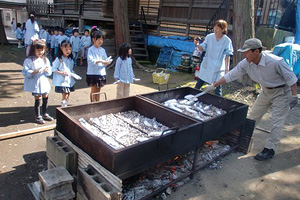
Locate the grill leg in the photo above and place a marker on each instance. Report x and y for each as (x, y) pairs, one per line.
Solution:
(196, 155)
(158, 86)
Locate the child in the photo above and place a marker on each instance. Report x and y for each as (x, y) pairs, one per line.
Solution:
(19, 35)
(36, 68)
(75, 41)
(50, 32)
(85, 44)
(97, 61)
(55, 38)
(62, 72)
(43, 33)
(123, 71)
(61, 36)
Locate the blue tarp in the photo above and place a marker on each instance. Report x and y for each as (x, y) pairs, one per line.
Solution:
(176, 42)
(179, 44)
(291, 54)
(297, 35)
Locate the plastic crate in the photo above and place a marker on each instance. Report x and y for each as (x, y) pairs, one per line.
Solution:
(160, 76)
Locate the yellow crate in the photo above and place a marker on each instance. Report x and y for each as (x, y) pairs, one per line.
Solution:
(160, 76)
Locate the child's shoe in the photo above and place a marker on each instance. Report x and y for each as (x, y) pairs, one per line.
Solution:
(47, 117)
(39, 120)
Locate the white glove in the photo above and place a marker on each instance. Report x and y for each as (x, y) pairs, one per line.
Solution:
(293, 101)
(209, 88)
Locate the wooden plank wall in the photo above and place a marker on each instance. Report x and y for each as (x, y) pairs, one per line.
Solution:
(40, 7)
(98, 9)
(178, 10)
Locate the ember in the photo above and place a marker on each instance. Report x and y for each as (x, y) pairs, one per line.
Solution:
(170, 171)
(124, 129)
(198, 110)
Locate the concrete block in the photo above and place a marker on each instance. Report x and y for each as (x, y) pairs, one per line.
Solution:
(50, 164)
(56, 183)
(61, 154)
(94, 186)
(80, 194)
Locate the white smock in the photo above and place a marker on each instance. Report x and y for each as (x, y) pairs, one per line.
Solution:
(32, 32)
(213, 64)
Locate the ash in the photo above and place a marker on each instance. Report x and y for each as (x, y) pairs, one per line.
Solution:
(150, 180)
(192, 107)
(124, 129)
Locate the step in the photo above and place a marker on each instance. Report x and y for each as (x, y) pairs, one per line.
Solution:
(136, 31)
(139, 49)
(137, 42)
(141, 55)
(136, 36)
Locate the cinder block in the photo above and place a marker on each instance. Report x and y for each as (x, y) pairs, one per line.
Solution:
(56, 183)
(60, 154)
(94, 186)
(50, 164)
(80, 194)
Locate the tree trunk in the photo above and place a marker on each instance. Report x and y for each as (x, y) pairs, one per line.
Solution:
(243, 29)
(122, 34)
(3, 39)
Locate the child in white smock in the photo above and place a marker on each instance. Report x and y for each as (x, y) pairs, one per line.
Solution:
(75, 41)
(97, 62)
(85, 44)
(123, 71)
(63, 72)
(36, 69)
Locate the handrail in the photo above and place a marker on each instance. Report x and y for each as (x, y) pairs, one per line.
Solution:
(217, 15)
(51, 9)
(143, 16)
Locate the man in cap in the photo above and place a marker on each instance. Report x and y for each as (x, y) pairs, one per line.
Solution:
(279, 89)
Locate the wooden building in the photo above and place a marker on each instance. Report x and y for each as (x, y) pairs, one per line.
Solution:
(185, 17)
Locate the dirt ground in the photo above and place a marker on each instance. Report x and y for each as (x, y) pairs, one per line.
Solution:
(241, 177)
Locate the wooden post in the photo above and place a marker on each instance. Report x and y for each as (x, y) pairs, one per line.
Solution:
(3, 39)
(187, 32)
(121, 22)
(243, 29)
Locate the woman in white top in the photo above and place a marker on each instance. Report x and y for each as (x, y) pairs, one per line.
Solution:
(36, 69)
(32, 31)
(215, 64)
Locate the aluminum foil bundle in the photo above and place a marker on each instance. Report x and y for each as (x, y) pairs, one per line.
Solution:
(119, 130)
(147, 125)
(197, 109)
(98, 133)
(123, 129)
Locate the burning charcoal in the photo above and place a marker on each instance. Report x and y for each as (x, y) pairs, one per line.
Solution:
(163, 196)
(128, 195)
(168, 191)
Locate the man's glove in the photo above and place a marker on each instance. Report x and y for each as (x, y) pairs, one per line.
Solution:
(293, 101)
(209, 88)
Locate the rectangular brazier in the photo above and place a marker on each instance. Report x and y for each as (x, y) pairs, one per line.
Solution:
(133, 159)
(215, 127)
